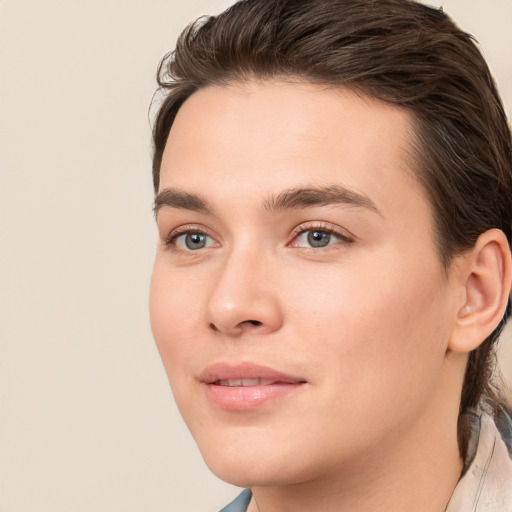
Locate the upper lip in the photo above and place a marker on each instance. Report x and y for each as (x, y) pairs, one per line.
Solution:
(228, 371)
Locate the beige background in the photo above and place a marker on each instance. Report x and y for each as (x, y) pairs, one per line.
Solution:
(87, 422)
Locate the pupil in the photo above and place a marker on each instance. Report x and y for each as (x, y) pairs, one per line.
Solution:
(195, 240)
(318, 238)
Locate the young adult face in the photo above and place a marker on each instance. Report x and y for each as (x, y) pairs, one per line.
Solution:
(297, 299)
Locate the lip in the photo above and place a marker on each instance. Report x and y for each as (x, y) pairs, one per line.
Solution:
(246, 386)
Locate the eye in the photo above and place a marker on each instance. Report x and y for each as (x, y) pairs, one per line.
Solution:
(193, 241)
(189, 241)
(315, 238)
(318, 237)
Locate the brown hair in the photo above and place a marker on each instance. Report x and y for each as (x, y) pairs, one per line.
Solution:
(398, 51)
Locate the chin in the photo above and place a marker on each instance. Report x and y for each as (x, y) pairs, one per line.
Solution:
(249, 464)
(253, 473)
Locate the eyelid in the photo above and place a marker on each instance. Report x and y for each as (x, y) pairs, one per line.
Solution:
(327, 227)
(169, 240)
(345, 236)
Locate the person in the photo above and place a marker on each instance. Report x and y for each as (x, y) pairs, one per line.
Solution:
(333, 186)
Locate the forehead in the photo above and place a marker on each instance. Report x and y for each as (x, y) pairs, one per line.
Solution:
(271, 136)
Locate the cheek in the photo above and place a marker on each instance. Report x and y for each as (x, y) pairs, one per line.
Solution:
(174, 315)
(373, 327)
(174, 319)
(375, 347)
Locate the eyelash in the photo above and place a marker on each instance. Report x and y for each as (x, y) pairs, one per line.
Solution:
(327, 228)
(170, 241)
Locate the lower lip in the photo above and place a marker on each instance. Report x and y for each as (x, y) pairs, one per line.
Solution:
(246, 398)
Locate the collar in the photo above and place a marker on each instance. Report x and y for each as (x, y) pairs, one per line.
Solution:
(486, 484)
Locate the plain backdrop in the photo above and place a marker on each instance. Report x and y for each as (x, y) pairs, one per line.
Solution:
(87, 421)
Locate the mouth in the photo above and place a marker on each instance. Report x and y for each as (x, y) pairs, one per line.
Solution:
(247, 386)
(244, 382)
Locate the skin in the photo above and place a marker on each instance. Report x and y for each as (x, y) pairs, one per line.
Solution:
(366, 321)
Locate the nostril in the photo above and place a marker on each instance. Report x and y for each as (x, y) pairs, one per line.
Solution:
(255, 323)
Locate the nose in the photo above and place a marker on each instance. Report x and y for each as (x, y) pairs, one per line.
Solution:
(244, 299)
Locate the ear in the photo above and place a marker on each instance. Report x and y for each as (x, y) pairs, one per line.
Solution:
(486, 273)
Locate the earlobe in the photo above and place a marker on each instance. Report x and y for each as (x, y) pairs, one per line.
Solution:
(486, 275)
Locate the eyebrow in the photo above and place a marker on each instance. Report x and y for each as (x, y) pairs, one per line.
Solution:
(306, 197)
(295, 198)
(175, 198)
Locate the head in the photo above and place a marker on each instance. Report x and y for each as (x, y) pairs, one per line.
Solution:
(393, 54)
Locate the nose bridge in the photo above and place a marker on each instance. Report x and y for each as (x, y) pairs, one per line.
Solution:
(243, 297)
